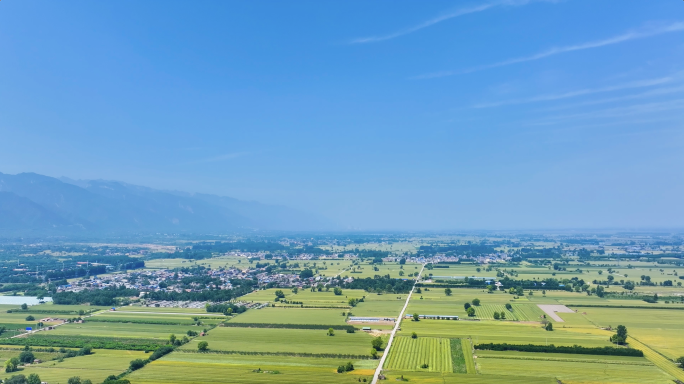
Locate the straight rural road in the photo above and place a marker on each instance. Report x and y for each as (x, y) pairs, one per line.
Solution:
(396, 328)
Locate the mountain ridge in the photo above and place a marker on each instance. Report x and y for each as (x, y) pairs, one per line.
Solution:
(30, 201)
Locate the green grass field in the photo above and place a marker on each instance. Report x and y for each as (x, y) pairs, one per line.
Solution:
(660, 329)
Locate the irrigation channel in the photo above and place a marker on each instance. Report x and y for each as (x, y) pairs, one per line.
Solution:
(396, 328)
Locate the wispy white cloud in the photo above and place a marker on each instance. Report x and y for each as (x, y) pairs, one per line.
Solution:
(617, 112)
(444, 17)
(213, 159)
(652, 93)
(633, 35)
(579, 92)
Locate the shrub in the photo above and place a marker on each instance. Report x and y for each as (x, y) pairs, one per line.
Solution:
(161, 351)
(345, 368)
(137, 364)
(202, 346)
(575, 349)
(414, 335)
(476, 302)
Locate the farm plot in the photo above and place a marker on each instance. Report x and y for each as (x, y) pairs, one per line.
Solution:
(660, 329)
(307, 298)
(457, 378)
(410, 354)
(156, 318)
(216, 371)
(505, 332)
(292, 316)
(125, 330)
(574, 371)
(95, 367)
(285, 341)
(458, 356)
(487, 311)
(526, 312)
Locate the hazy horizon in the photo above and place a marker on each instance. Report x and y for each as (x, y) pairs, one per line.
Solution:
(502, 115)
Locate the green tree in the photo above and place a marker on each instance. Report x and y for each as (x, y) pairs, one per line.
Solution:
(377, 343)
(305, 274)
(621, 336)
(16, 379)
(680, 361)
(414, 335)
(76, 379)
(26, 357)
(549, 326)
(33, 379)
(202, 346)
(11, 364)
(466, 306)
(509, 306)
(497, 316)
(24, 306)
(447, 291)
(476, 302)
(470, 311)
(337, 291)
(172, 339)
(331, 332)
(374, 353)
(503, 315)
(295, 290)
(279, 294)
(416, 317)
(30, 318)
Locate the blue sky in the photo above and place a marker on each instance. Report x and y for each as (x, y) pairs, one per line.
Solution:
(379, 115)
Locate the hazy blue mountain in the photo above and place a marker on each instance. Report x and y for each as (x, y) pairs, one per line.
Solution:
(20, 213)
(32, 201)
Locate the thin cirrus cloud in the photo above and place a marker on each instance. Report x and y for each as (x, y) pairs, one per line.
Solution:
(439, 19)
(633, 35)
(577, 93)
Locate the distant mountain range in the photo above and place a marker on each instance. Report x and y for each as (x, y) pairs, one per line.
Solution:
(35, 203)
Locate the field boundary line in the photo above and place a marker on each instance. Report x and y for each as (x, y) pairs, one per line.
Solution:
(378, 370)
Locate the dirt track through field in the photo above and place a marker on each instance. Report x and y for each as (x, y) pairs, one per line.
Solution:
(394, 331)
(552, 309)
